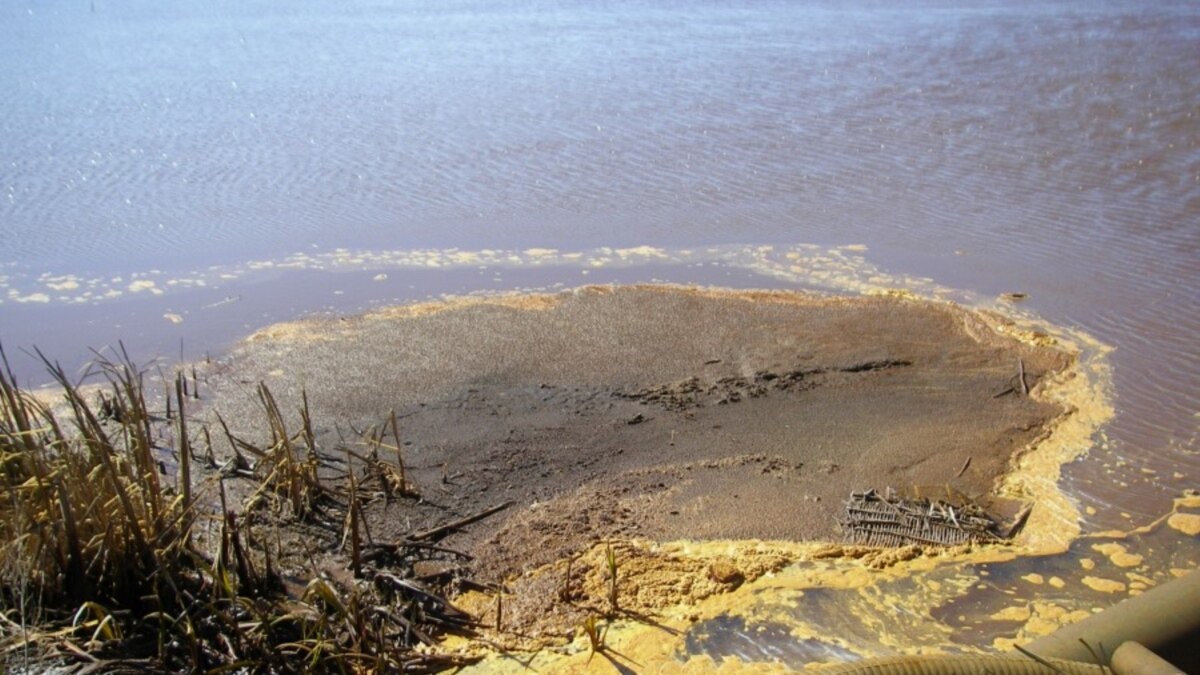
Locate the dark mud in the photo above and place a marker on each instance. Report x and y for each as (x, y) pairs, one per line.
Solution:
(655, 412)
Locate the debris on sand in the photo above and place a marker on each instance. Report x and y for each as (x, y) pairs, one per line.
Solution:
(873, 519)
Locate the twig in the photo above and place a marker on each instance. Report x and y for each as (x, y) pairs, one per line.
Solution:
(461, 522)
(377, 551)
(1100, 659)
(1021, 373)
(964, 467)
(1037, 658)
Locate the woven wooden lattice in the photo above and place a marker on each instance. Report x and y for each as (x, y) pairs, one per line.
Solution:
(874, 519)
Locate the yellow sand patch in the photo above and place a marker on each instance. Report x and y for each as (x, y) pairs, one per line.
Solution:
(1187, 523)
(652, 580)
(1085, 389)
(315, 330)
(755, 296)
(1103, 585)
(1136, 578)
(524, 301)
(1188, 501)
(1020, 613)
(1046, 617)
(294, 331)
(1118, 555)
(1034, 578)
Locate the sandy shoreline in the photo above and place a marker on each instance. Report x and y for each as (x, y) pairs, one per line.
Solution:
(661, 413)
(695, 443)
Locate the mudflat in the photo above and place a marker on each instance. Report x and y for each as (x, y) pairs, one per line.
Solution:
(651, 412)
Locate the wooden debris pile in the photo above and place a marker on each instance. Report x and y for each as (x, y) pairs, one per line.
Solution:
(874, 519)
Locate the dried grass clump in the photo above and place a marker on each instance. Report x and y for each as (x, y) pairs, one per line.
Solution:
(108, 560)
(85, 513)
(287, 470)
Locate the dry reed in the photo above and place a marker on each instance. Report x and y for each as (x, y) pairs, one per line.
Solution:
(102, 562)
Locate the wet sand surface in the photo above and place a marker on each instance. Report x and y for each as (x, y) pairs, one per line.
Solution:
(662, 413)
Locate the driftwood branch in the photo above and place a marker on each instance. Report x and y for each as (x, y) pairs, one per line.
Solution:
(442, 530)
(964, 467)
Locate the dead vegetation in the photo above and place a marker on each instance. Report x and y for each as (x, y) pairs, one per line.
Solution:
(126, 547)
(889, 520)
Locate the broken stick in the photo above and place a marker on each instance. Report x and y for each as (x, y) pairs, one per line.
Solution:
(461, 522)
(964, 467)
